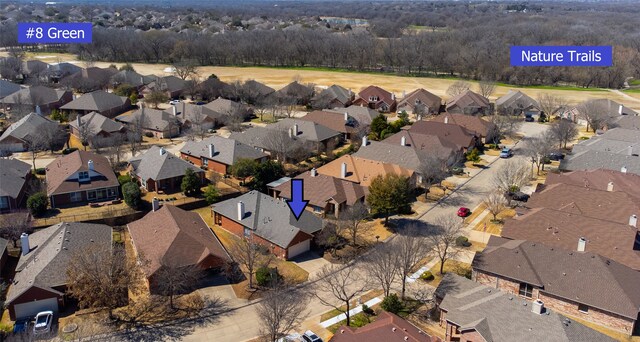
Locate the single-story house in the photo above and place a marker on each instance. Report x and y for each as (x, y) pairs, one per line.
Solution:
(41, 277)
(376, 98)
(94, 125)
(326, 195)
(15, 175)
(294, 90)
(90, 79)
(486, 131)
(469, 103)
(613, 109)
(173, 237)
(107, 104)
(363, 171)
(463, 138)
(409, 150)
(219, 154)
(593, 159)
(226, 107)
(81, 177)
(7, 88)
(387, 327)
(350, 128)
(269, 222)
(364, 115)
(18, 136)
(598, 179)
(196, 116)
(162, 124)
(170, 85)
(157, 169)
(420, 101)
(515, 102)
(39, 99)
(58, 71)
(131, 78)
(332, 97)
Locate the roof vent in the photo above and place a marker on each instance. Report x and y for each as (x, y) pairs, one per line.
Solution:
(538, 307)
(610, 186)
(393, 329)
(582, 244)
(633, 220)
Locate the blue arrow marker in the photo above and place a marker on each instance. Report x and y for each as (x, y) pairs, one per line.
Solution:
(297, 203)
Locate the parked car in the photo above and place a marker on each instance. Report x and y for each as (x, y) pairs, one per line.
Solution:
(506, 153)
(529, 118)
(456, 170)
(517, 196)
(555, 156)
(310, 336)
(463, 212)
(43, 322)
(295, 337)
(174, 102)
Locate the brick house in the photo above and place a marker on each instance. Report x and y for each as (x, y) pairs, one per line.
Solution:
(16, 138)
(39, 99)
(15, 175)
(95, 125)
(41, 278)
(350, 128)
(159, 170)
(332, 97)
(160, 123)
(463, 138)
(469, 103)
(81, 177)
(376, 98)
(534, 271)
(219, 154)
(269, 222)
(486, 131)
(473, 312)
(107, 104)
(170, 85)
(172, 237)
(420, 101)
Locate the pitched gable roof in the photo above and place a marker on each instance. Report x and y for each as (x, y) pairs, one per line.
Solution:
(428, 145)
(157, 163)
(98, 101)
(598, 179)
(7, 88)
(472, 123)
(362, 171)
(319, 189)
(453, 133)
(516, 99)
(627, 122)
(473, 306)
(60, 172)
(36, 95)
(167, 83)
(227, 151)
(13, 173)
(307, 130)
(97, 123)
(584, 277)
(408, 157)
(337, 93)
(383, 95)
(30, 125)
(296, 89)
(131, 77)
(269, 218)
(422, 96)
(155, 119)
(335, 121)
(175, 236)
(51, 250)
(226, 107)
(616, 241)
(589, 160)
(387, 327)
(261, 88)
(362, 114)
(468, 99)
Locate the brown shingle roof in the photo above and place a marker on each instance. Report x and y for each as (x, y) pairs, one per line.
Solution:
(613, 240)
(387, 327)
(175, 235)
(60, 170)
(335, 121)
(451, 132)
(383, 95)
(472, 123)
(360, 170)
(605, 205)
(581, 277)
(320, 189)
(598, 179)
(467, 99)
(428, 99)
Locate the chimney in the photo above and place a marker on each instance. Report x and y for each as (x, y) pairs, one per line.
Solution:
(38, 110)
(365, 141)
(240, 211)
(78, 122)
(212, 151)
(155, 204)
(291, 132)
(403, 141)
(623, 169)
(404, 94)
(295, 130)
(582, 244)
(620, 110)
(538, 307)
(393, 97)
(90, 165)
(610, 186)
(343, 170)
(314, 172)
(24, 242)
(141, 80)
(175, 111)
(346, 116)
(446, 119)
(630, 150)
(162, 151)
(633, 221)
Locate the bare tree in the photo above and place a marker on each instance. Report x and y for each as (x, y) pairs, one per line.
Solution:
(351, 219)
(550, 104)
(135, 129)
(35, 144)
(343, 284)
(595, 114)
(410, 248)
(563, 131)
(537, 148)
(99, 277)
(511, 176)
(184, 69)
(250, 255)
(447, 228)
(495, 203)
(280, 311)
(12, 225)
(84, 132)
(432, 170)
(503, 126)
(173, 280)
(53, 137)
(197, 124)
(486, 87)
(458, 87)
(381, 264)
(112, 147)
(280, 142)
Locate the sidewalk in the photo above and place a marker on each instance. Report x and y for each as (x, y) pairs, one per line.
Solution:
(356, 310)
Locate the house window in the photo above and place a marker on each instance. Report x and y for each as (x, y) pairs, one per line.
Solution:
(373, 98)
(75, 196)
(583, 308)
(83, 175)
(317, 210)
(247, 232)
(205, 161)
(4, 202)
(525, 290)
(91, 195)
(112, 192)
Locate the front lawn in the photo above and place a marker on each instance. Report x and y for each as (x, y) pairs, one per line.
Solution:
(457, 267)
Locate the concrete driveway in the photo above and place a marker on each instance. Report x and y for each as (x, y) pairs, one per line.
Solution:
(310, 262)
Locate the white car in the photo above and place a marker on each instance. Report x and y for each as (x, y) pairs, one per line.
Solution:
(174, 102)
(310, 336)
(43, 322)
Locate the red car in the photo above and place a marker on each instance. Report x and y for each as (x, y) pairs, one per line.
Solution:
(463, 212)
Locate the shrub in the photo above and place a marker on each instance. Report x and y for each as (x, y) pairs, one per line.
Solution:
(37, 203)
(427, 276)
(41, 171)
(473, 155)
(131, 194)
(190, 183)
(267, 276)
(148, 134)
(391, 303)
(211, 194)
(124, 179)
(69, 150)
(462, 241)
(367, 310)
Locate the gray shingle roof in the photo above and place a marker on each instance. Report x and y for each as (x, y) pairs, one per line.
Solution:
(154, 119)
(582, 277)
(51, 250)
(309, 131)
(225, 107)
(404, 156)
(131, 77)
(516, 99)
(620, 134)
(97, 123)
(153, 165)
(30, 125)
(167, 83)
(589, 160)
(606, 145)
(98, 101)
(364, 115)
(269, 218)
(627, 122)
(227, 151)
(13, 173)
(7, 88)
(36, 95)
(499, 316)
(336, 92)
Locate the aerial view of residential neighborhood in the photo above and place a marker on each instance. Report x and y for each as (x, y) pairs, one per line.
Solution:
(320, 170)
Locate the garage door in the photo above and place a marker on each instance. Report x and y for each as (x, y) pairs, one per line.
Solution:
(299, 248)
(32, 308)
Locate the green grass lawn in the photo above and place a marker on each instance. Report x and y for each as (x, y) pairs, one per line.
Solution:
(632, 91)
(550, 87)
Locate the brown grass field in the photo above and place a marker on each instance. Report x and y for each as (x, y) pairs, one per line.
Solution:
(277, 78)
